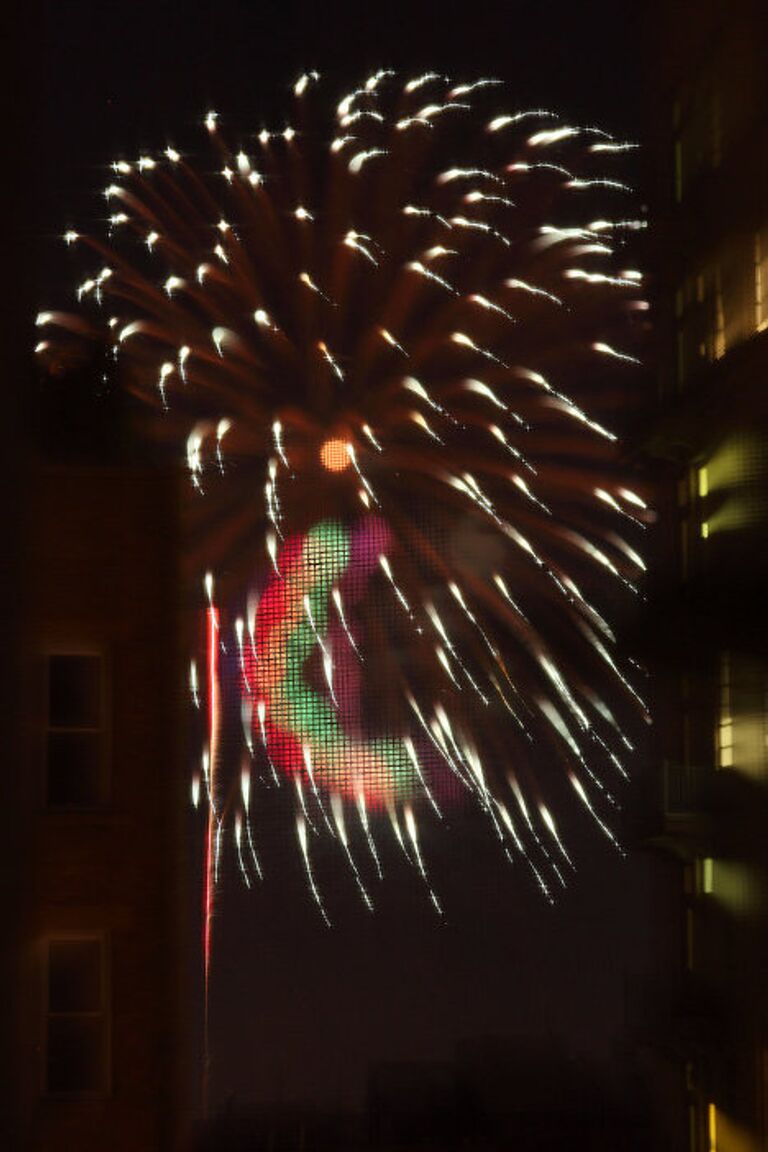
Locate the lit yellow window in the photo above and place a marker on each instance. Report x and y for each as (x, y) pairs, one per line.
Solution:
(724, 736)
(761, 280)
(712, 1127)
(703, 482)
(719, 341)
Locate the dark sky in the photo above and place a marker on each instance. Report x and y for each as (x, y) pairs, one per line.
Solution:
(111, 78)
(298, 1010)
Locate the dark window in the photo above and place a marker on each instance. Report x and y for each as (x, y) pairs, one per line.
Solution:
(74, 691)
(76, 1049)
(75, 739)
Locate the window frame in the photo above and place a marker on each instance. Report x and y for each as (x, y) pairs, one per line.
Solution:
(104, 1014)
(101, 732)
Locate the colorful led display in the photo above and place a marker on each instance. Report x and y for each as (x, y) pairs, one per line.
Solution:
(312, 732)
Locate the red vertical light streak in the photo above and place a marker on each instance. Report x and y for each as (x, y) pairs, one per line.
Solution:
(212, 665)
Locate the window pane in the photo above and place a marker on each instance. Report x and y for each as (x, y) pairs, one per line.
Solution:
(76, 1054)
(74, 976)
(74, 768)
(74, 691)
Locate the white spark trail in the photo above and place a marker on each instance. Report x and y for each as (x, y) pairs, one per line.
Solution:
(337, 808)
(365, 823)
(301, 832)
(238, 843)
(410, 824)
(413, 757)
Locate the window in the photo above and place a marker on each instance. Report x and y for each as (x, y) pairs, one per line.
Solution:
(702, 491)
(761, 280)
(700, 313)
(692, 499)
(738, 288)
(75, 770)
(723, 303)
(716, 342)
(705, 874)
(725, 718)
(702, 482)
(741, 734)
(709, 318)
(711, 1128)
(76, 1017)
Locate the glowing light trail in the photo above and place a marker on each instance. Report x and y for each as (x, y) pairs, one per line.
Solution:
(378, 315)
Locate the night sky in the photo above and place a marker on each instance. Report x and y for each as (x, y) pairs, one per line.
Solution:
(113, 79)
(299, 1010)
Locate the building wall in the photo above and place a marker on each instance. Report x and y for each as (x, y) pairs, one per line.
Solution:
(710, 439)
(100, 1054)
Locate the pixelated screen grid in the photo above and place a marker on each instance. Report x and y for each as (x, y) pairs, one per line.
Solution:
(324, 677)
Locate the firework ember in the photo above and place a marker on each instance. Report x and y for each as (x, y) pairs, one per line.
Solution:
(388, 339)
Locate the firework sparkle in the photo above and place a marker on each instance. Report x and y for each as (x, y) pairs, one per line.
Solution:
(389, 337)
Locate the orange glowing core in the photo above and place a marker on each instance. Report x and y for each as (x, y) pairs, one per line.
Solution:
(334, 455)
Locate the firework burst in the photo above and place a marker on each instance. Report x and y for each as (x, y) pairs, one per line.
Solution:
(390, 338)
